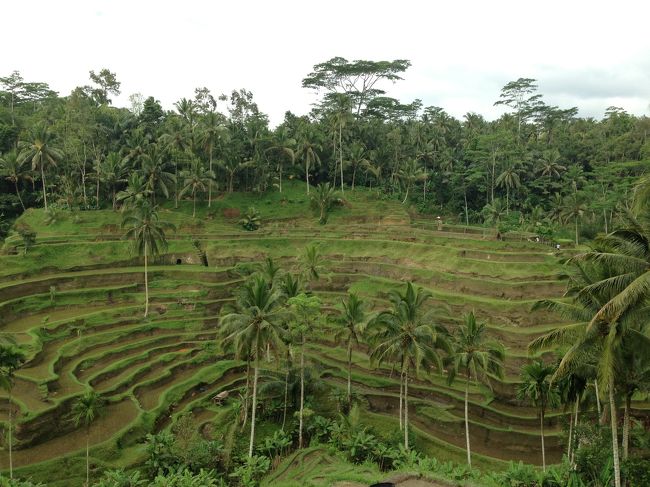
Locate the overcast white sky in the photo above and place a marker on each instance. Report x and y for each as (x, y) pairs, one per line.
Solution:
(589, 54)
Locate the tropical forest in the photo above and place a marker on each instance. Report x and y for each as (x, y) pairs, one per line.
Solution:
(375, 292)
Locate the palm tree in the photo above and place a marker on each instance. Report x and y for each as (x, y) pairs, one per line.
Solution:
(155, 172)
(476, 357)
(574, 209)
(305, 310)
(212, 133)
(176, 143)
(409, 174)
(13, 170)
(148, 234)
(252, 327)
(85, 410)
(285, 148)
(232, 166)
(135, 193)
(323, 200)
(312, 262)
(308, 152)
(510, 179)
(405, 335)
(353, 321)
(11, 358)
(550, 165)
(606, 346)
(196, 178)
(290, 287)
(112, 172)
(40, 152)
(357, 158)
(536, 386)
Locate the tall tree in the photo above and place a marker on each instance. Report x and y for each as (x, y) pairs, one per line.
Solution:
(40, 152)
(85, 410)
(352, 322)
(148, 234)
(11, 358)
(13, 169)
(475, 357)
(196, 179)
(254, 325)
(536, 386)
(407, 336)
(305, 310)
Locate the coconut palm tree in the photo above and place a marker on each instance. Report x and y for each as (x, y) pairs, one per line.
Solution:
(285, 148)
(323, 200)
(196, 179)
(13, 169)
(40, 152)
(357, 158)
(135, 193)
(155, 172)
(148, 235)
(312, 262)
(308, 153)
(112, 172)
(252, 327)
(11, 358)
(574, 209)
(475, 357)
(212, 133)
(409, 174)
(536, 386)
(606, 346)
(511, 180)
(305, 310)
(85, 410)
(352, 324)
(407, 336)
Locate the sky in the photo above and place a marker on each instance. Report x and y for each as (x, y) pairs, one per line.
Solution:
(588, 54)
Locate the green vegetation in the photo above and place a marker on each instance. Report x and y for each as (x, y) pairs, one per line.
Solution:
(283, 346)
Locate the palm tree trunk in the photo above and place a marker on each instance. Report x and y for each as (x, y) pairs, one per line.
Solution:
(349, 374)
(247, 393)
(406, 408)
(626, 425)
(254, 405)
(43, 184)
(210, 185)
(469, 450)
(302, 389)
(541, 429)
(286, 390)
(401, 389)
(407, 193)
(18, 194)
(575, 426)
(341, 156)
(597, 398)
(232, 175)
(570, 441)
(507, 199)
(612, 414)
(577, 231)
(146, 283)
(87, 456)
(194, 204)
(11, 463)
(280, 181)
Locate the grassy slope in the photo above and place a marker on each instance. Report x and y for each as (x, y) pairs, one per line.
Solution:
(370, 230)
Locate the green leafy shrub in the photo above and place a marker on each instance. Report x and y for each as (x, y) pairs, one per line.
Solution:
(251, 220)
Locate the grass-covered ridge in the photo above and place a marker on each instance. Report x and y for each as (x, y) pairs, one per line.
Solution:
(74, 302)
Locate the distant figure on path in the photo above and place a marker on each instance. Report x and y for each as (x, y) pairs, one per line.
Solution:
(439, 220)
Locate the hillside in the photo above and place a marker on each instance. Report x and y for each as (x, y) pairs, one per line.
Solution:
(74, 300)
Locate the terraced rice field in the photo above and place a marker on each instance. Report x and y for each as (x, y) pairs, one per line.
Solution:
(92, 332)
